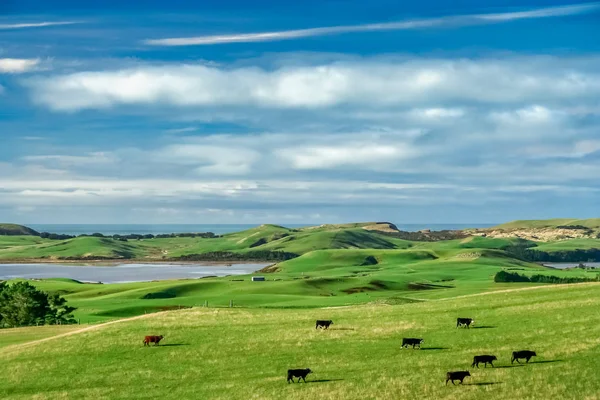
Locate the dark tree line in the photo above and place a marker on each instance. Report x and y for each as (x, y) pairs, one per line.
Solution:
(22, 304)
(258, 255)
(132, 236)
(526, 253)
(505, 276)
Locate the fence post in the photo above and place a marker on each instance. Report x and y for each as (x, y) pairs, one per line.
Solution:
(230, 303)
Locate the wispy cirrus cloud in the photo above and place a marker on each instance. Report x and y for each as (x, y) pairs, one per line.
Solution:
(446, 21)
(26, 25)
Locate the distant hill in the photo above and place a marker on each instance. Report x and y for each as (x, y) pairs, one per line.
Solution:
(593, 223)
(16, 230)
(543, 230)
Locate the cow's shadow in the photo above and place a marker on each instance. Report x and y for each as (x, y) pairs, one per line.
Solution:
(545, 361)
(510, 366)
(173, 345)
(483, 383)
(323, 380)
(434, 348)
(483, 327)
(342, 329)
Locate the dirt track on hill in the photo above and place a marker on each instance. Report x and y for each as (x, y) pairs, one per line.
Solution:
(82, 330)
(562, 285)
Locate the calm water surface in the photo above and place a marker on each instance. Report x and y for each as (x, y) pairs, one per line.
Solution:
(572, 265)
(123, 272)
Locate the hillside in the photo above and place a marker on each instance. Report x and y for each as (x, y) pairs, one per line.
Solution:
(265, 238)
(245, 353)
(16, 230)
(593, 223)
(544, 230)
(274, 243)
(321, 278)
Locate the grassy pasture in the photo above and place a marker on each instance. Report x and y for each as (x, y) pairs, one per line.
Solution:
(244, 353)
(317, 279)
(14, 336)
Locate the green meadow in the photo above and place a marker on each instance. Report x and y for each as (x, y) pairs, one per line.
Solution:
(376, 286)
(245, 353)
(336, 265)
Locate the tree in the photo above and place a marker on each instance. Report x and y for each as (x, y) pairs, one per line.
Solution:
(22, 304)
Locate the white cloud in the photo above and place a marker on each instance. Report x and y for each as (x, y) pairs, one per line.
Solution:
(17, 65)
(354, 154)
(437, 113)
(212, 159)
(365, 83)
(448, 21)
(36, 24)
(531, 115)
(577, 149)
(93, 158)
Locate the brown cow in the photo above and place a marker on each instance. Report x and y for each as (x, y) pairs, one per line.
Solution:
(152, 339)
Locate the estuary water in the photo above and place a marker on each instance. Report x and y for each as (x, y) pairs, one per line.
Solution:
(121, 273)
(572, 265)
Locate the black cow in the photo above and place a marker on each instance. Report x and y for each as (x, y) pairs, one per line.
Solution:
(457, 376)
(412, 342)
(526, 354)
(298, 373)
(321, 323)
(464, 322)
(483, 359)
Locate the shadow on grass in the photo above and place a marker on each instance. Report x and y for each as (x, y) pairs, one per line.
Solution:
(342, 329)
(324, 380)
(173, 344)
(510, 366)
(545, 361)
(483, 327)
(483, 383)
(434, 348)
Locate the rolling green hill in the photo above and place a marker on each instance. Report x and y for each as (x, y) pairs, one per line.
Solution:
(16, 230)
(320, 278)
(245, 353)
(272, 238)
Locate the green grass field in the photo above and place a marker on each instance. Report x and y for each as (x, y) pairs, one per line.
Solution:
(244, 353)
(317, 279)
(377, 289)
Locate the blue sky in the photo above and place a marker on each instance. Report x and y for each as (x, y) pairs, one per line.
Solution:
(298, 112)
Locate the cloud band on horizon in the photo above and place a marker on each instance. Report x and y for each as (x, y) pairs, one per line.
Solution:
(446, 21)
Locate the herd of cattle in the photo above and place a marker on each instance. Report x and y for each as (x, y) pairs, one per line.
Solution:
(406, 342)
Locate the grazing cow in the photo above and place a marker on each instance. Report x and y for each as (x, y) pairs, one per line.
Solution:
(464, 322)
(483, 359)
(152, 339)
(412, 341)
(457, 376)
(298, 373)
(526, 354)
(323, 323)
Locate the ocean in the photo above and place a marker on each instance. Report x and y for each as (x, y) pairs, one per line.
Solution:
(219, 229)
